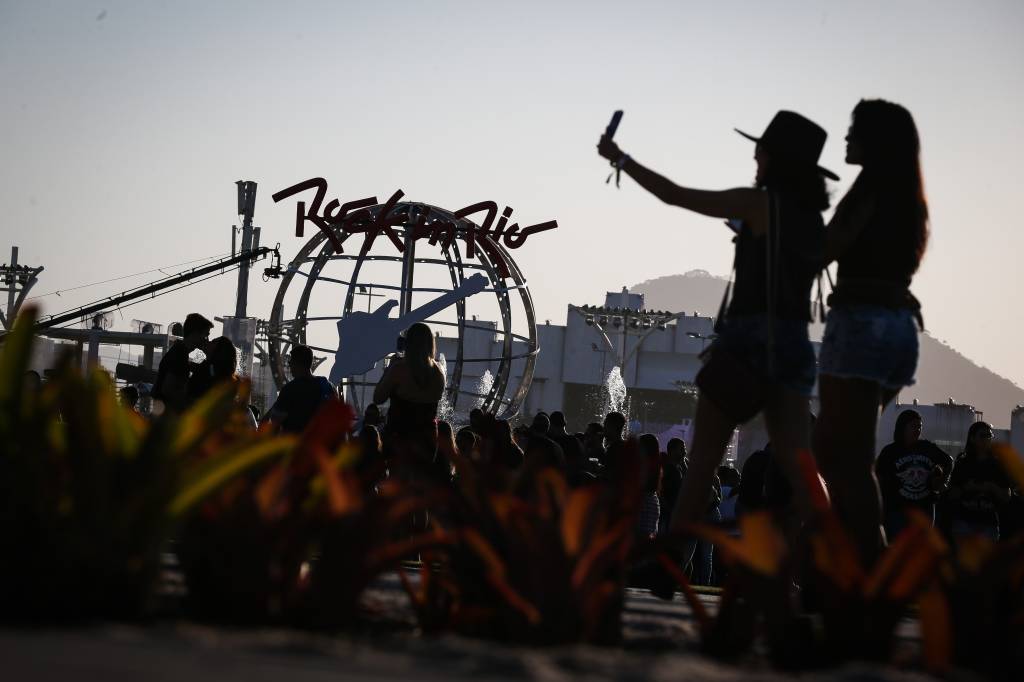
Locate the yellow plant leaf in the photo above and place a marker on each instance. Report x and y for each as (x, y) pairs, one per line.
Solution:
(209, 413)
(760, 546)
(225, 466)
(576, 517)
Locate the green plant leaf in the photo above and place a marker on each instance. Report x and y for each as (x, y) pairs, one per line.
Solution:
(225, 466)
(15, 354)
(208, 414)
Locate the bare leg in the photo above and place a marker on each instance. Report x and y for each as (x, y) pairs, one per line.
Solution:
(788, 418)
(844, 445)
(712, 430)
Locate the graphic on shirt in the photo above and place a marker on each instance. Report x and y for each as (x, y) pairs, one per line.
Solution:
(365, 338)
(913, 472)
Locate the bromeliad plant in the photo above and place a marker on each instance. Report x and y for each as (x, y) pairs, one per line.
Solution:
(859, 607)
(972, 614)
(531, 559)
(89, 490)
(299, 541)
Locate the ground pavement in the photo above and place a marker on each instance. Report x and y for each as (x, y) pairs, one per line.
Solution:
(660, 643)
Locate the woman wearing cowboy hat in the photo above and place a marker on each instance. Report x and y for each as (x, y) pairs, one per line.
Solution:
(762, 358)
(869, 352)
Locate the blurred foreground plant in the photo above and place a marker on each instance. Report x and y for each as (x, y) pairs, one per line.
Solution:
(531, 559)
(972, 615)
(86, 487)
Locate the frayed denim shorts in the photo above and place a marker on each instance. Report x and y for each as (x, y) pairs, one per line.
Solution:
(793, 365)
(870, 342)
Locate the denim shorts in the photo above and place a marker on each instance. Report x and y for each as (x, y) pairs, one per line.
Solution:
(793, 366)
(870, 342)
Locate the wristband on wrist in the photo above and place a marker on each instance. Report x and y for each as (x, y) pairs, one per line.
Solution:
(618, 165)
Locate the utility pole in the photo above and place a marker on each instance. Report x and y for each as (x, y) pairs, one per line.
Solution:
(246, 209)
(16, 280)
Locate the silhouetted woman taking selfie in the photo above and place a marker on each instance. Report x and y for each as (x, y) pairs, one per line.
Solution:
(878, 236)
(762, 358)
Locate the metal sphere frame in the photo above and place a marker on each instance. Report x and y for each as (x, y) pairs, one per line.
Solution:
(284, 332)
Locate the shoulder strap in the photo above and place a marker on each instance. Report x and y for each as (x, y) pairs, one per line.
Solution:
(771, 251)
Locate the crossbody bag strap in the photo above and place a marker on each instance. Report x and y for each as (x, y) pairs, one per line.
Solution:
(771, 252)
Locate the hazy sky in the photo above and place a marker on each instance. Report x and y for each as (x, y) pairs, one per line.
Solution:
(123, 126)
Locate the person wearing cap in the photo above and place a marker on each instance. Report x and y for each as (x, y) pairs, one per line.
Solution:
(869, 351)
(764, 328)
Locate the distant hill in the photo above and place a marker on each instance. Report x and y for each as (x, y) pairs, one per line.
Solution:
(942, 372)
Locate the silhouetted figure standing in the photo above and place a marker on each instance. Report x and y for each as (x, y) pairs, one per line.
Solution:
(414, 384)
(763, 334)
(171, 385)
(979, 488)
(912, 473)
(869, 352)
(301, 397)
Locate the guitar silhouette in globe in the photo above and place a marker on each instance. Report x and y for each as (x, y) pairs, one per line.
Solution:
(365, 338)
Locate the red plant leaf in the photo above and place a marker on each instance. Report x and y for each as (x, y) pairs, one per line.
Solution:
(496, 573)
(817, 493)
(576, 518)
(936, 629)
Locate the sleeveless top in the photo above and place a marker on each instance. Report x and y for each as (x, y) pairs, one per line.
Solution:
(877, 268)
(796, 261)
(406, 417)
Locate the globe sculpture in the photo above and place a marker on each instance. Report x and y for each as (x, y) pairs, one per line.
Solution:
(339, 274)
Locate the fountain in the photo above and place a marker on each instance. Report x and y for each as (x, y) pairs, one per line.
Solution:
(445, 411)
(483, 388)
(614, 398)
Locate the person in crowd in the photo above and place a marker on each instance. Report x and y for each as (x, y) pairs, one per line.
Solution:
(869, 351)
(730, 479)
(539, 448)
(571, 447)
(32, 383)
(763, 485)
(701, 553)
(763, 334)
(371, 417)
(613, 428)
(911, 472)
(467, 444)
(504, 451)
(129, 397)
(447, 450)
(171, 385)
(371, 463)
(220, 365)
(672, 471)
(979, 487)
(414, 384)
(593, 445)
(301, 397)
(650, 506)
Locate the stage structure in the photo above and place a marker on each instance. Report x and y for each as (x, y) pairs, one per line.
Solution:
(434, 254)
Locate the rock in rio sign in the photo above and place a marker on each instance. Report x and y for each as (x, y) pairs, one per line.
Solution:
(354, 217)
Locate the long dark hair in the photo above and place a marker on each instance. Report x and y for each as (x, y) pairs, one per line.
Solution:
(902, 419)
(795, 181)
(891, 150)
(974, 428)
(419, 352)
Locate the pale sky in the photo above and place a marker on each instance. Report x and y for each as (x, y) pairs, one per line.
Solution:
(123, 126)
